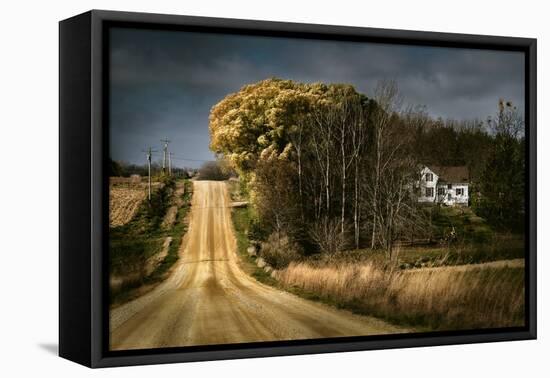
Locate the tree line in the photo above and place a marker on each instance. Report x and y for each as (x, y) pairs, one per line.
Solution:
(332, 168)
(125, 169)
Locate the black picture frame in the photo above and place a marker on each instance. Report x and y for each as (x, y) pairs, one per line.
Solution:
(83, 196)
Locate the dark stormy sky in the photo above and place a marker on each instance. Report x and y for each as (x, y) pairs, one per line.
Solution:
(164, 83)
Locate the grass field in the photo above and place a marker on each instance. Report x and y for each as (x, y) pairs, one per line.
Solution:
(501, 247)
(134, 244)
(445, 298)
(432, 287)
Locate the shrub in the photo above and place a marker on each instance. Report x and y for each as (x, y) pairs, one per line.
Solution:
(279, 251)
(256, 231)
(327, 235)
(213, 170)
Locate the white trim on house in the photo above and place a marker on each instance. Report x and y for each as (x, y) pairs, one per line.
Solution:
(433, 189)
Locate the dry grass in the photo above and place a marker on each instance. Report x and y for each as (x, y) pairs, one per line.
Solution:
(125, 196)
(444, 298)
(124, 203)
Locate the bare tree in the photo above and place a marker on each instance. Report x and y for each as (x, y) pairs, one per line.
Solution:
(346, 123)
(508, 122)
(296, 137)
(388, 102)
(394, 199)
(324, 119)
(358, 138)
(343, 126)
(326, 233)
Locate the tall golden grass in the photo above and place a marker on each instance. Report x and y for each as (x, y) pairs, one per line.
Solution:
(446, 298)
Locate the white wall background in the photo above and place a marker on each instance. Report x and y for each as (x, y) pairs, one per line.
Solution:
(29, 186)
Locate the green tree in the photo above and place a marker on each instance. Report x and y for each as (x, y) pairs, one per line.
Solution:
(502, 197)
(115, 168)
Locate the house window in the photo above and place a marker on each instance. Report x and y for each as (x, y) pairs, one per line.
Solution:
(429, 192)
(449, 186)
(459, 191)
(429, 177)
(440, 191)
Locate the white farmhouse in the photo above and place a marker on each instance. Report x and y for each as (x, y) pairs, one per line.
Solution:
(446, 185)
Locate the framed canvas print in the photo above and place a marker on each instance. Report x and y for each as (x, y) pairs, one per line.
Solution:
(234, 188)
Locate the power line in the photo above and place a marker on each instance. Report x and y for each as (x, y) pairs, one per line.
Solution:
(167, 158)
(180, 158)
(198, 160)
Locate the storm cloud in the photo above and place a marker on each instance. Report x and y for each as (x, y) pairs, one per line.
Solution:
(164, 83)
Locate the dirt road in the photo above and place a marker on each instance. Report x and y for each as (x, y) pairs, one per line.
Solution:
(208, 299)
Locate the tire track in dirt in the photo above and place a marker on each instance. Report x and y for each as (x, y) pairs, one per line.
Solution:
(208, 299)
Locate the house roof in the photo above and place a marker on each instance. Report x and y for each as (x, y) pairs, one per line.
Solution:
(452, 174)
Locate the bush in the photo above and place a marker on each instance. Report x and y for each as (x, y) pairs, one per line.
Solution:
(256, 231)
(279, 251)
(213, 170)
(327, 234)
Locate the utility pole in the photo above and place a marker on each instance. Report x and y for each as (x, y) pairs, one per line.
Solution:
(149, 153)
(165, 157)
(169, 164)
